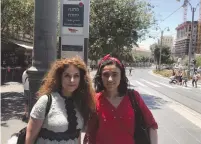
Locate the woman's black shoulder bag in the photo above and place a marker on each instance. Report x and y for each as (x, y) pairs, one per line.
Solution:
(22, 132)
(141, 135)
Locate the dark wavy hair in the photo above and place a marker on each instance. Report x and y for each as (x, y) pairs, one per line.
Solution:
(123, 86)
(83, 96)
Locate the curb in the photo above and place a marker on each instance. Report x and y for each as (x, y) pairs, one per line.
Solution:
(157, 75)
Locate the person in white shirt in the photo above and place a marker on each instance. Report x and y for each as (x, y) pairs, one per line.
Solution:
(25, 82)
(195, 78)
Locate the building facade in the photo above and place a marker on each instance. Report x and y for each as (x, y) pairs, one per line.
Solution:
(183, 39)
(167, 40)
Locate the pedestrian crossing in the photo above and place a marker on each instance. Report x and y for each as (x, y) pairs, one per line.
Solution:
(153, 84)
(157, 84)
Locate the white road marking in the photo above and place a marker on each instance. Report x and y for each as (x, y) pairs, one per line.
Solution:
(188, 113)
(150, 83)
(141, 84)
(145, 91)
(183, 87)
(169, 86)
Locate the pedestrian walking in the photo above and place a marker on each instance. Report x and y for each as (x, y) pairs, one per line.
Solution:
(72, 100)
(115, 121)
(25, 82)
(195, 79)
(130, 71)
(184, 78)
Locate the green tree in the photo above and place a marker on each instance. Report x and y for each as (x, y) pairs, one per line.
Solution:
(138, 58)
(17, 18)
(165, 54)
(198, 61)
(115, 25)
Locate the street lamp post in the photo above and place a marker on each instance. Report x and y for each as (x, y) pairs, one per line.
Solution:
(162, 31)
(44, 49)
(161, 50)
(191, 50)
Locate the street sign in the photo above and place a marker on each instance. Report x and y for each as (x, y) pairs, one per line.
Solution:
(69, 51)
(72, 48)
(73, 15)
(73, 19)
(74, 27)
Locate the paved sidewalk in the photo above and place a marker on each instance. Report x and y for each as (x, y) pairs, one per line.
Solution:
(12, 109)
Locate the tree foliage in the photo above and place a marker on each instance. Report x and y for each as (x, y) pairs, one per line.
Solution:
(165, 54)
(140, 58)
(115, 25)
(17, 18)
(198, 61)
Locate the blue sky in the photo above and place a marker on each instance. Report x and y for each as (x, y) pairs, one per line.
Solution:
(164, 8)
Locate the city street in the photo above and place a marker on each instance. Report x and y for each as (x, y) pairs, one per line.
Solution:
(177, 109)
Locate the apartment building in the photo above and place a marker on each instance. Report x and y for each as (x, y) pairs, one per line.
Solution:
(183, 38)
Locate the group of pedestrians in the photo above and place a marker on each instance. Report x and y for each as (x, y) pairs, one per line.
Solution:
(181, 78)
(105, 112)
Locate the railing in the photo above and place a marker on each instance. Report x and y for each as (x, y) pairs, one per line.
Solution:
(11, 74)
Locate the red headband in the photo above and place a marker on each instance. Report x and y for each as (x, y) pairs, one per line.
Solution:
(108, 57)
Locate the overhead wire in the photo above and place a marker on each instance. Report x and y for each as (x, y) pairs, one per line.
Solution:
(171, 14)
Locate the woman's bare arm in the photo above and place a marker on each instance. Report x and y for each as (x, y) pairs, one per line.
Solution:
(153, 136)
(33, 129)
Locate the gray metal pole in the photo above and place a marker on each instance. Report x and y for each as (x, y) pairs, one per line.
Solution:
(161, 50)
(191, 42)
(86, 30)
(44, 50)
(86, 45)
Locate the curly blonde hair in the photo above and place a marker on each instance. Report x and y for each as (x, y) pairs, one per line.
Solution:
(83, 96)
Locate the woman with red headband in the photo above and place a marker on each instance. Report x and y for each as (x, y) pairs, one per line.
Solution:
(115, 120)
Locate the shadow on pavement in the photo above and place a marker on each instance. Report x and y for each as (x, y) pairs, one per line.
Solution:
(153, 102)
(12, 106)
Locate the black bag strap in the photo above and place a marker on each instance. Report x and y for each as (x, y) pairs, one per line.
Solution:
(49, 102)
(135, 105)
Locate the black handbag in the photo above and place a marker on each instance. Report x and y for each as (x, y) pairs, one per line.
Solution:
(22, 133)
(141, 135)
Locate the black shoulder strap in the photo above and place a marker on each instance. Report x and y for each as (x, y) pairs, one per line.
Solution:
(49, 102)
(135, 106)
(25, 79)
(131, 95)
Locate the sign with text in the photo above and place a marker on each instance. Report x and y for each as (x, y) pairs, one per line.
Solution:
(74, 28)
(72, 48)
(73, 15)
(68, 51)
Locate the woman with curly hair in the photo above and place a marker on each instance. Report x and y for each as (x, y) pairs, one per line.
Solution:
(69, 85)
(115, 120)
